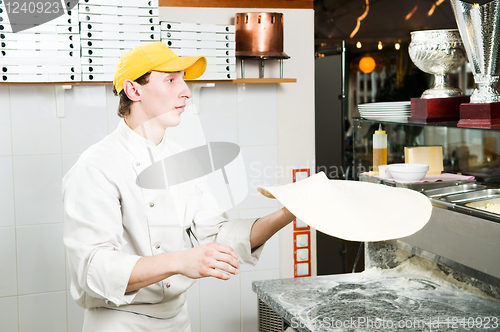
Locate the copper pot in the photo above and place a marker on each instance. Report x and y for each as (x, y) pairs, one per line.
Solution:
(260, 35)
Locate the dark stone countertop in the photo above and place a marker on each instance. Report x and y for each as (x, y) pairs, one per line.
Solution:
(415, 296)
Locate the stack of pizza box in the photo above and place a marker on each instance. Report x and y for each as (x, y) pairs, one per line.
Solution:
(48, 52)
(216, 42)
(109, 29)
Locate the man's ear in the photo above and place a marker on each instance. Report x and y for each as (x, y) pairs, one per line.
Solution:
(131, 88)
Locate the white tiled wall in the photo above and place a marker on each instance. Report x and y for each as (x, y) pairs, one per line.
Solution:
(37, 148)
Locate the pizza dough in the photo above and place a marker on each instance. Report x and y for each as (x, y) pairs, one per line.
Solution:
(354, 210)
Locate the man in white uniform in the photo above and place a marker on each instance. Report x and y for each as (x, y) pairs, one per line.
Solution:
(134, 251)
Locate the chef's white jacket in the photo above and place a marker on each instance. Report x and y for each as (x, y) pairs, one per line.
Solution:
(110, 222)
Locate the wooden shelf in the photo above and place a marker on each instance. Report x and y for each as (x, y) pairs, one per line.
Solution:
(295, 4)
(236, 81)
(55, 83)
(247, 80)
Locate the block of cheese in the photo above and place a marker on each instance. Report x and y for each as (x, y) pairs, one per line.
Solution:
(430, 155)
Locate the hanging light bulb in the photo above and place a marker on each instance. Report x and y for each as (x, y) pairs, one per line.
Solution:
(367, 64)
(358, 44)
(397, 46)
(380, 46)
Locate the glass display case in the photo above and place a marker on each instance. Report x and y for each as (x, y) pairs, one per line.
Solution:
(468, 151)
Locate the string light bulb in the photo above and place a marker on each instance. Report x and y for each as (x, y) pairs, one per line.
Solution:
(380, 46)
(397, 46)
(358, 44)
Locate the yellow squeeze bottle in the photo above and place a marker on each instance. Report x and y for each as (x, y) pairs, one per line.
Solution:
(379, 148)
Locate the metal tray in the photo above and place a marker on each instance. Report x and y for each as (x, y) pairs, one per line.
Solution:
(444, 191)
(471, 196)
(481, 204)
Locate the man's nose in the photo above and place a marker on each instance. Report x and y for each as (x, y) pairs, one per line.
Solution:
(186, 92)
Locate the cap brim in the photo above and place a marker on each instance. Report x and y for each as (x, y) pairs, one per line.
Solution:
(194, 66)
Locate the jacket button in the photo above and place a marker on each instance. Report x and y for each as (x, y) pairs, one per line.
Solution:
(167, 285)
(157, 246)
(137, 164)
(151, 204)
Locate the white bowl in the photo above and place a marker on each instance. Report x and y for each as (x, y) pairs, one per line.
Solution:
(408, 172)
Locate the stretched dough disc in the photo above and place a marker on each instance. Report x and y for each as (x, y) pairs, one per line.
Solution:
(354, 210)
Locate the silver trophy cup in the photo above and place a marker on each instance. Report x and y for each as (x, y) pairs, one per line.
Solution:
(479, 27)
(438, 52)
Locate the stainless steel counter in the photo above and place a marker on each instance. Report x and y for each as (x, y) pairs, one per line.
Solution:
(463, 238)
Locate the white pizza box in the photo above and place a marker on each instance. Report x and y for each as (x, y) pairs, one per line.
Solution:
(39, 69)
(189, 35)
(223, 28)
(122, 3)
(39, 54)
(176, 43)
(98, 69)
(226, 37)
(113, 19)
(120, 27)
(48, 8)
(50, 37)
(23, 77)
(99, 52)
(220, 68)
(39, 45)
(118, 35)
(116, 10)
(97, 77)
(17, 61)
(31, 78)
(226, 45)
(70, 20)
(77, 77)
(192, 27)
(44, 28)
(197, 27)
(91, 60)
(203, 51)
(128, 44)
(47, 26)
(221, 60)
(226, 52)
(217, 76)
(193, 51)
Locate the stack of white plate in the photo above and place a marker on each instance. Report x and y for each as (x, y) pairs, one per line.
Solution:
(389, 111)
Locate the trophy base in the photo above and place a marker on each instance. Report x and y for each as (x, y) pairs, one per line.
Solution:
(480, 115)
(433, 110)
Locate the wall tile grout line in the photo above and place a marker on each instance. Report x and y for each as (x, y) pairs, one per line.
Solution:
(62, 175)
(41, 224)
(15, 211)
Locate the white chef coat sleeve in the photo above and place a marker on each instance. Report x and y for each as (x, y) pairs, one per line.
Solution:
(93, 235)
(210, 225)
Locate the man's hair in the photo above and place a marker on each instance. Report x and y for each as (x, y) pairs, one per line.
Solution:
(125, 102)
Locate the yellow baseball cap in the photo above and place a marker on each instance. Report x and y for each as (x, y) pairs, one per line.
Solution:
(158, 57)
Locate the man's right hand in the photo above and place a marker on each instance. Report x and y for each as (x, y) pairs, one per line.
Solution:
(208, 260)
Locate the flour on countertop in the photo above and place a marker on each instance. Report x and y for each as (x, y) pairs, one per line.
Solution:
(417, 267)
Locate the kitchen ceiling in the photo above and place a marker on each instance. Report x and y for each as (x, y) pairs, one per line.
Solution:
(388, 21)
